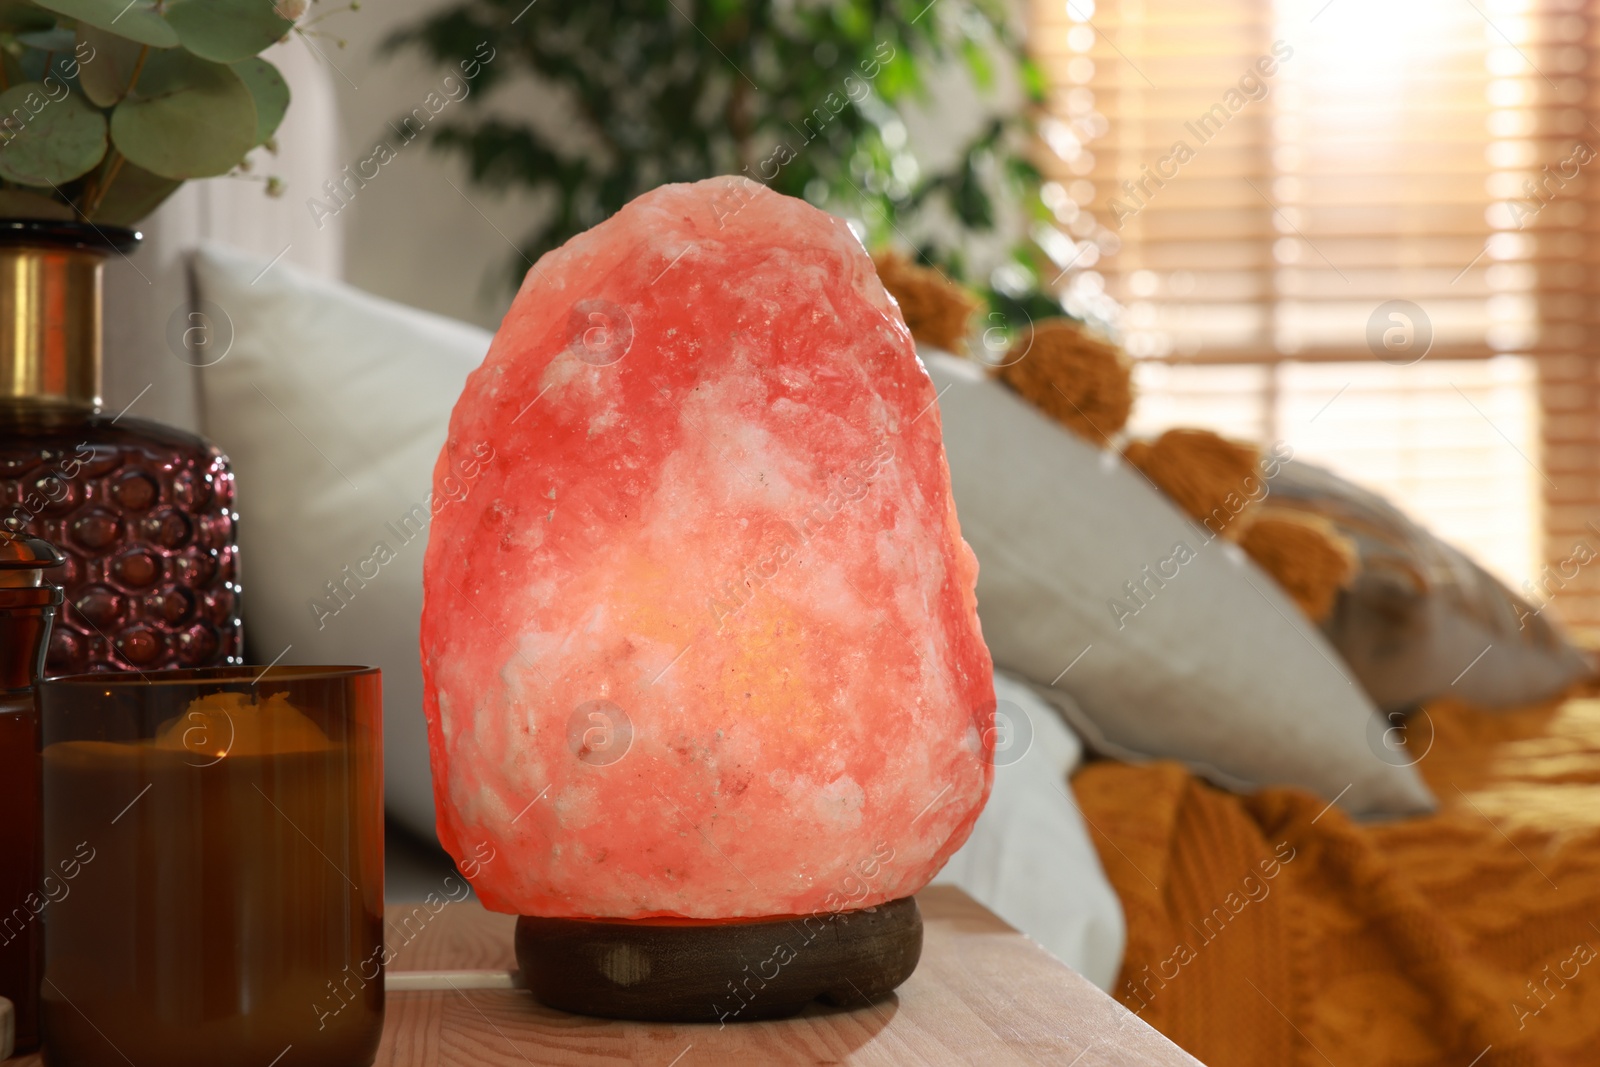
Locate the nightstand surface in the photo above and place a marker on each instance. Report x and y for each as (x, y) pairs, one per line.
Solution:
(983, 994)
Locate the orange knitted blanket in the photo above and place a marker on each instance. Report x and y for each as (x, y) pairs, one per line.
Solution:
(1270, 930)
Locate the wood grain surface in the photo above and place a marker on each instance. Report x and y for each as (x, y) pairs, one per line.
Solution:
(983, 994)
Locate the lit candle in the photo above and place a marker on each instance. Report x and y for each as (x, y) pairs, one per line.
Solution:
(218, 867)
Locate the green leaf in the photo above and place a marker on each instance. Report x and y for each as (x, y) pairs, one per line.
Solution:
(132, 195)
(186, 118)
(21, 204)
(1033, 80)
(19, 16)
(54, 39)
(137, 21)
(45, 140)
(227, 31)
(108, 71)
(270, 91)
(978, 64)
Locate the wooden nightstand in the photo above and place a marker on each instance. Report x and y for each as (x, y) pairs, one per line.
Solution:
(983, 994)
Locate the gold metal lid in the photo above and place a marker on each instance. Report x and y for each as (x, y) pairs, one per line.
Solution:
(50, 309)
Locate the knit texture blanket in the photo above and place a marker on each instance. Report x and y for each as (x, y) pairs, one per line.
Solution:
(1272, 930)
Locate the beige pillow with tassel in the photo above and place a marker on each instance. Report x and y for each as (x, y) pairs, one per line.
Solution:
(1169, 641)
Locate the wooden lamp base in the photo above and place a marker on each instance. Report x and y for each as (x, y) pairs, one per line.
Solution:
(674, 970)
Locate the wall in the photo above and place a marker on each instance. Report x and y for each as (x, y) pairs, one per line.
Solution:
(410, 236)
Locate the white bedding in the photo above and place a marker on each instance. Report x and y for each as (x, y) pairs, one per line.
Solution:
(1029, 859)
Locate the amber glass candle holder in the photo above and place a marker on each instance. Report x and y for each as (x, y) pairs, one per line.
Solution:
(215, 842)
(27, 606)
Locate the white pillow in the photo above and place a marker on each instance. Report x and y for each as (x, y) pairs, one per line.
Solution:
(1029, 859)
(1216, 667)
(333, 405)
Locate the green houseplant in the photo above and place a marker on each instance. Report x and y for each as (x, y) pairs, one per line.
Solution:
(806, 99)
(107, 106)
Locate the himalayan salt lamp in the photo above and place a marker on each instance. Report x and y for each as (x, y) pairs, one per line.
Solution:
(704, 648)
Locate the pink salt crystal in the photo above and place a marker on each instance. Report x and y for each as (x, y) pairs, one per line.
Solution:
(702, 639)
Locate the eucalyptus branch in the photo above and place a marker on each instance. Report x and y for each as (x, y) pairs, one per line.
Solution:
(220, 98)
(102, 184)
(138, 69)
(305, 24)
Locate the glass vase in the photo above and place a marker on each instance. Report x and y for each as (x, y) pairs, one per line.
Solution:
(143, 512)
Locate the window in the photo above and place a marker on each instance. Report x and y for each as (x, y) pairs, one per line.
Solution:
(1427, 437)
(1355, 225)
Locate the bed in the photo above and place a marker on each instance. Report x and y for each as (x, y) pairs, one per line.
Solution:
(1272, 929)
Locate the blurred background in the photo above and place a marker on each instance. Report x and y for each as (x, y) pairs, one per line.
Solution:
(1434, 153)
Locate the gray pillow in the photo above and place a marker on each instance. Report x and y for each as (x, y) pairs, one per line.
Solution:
(1421, 620)
(1205, 661)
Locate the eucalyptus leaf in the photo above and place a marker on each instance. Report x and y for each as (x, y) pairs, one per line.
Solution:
(47, 140)
(19, 16)
(137, 21)
(270, 91)
(132, 195)
(227, 31)
(55, 39)
(187, 118)
(107, 73)
(21, 204)
(31, 64)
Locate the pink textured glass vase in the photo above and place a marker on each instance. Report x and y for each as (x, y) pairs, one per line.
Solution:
(143, 512)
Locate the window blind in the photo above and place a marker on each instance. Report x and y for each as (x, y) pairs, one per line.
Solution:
(1380, 207)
